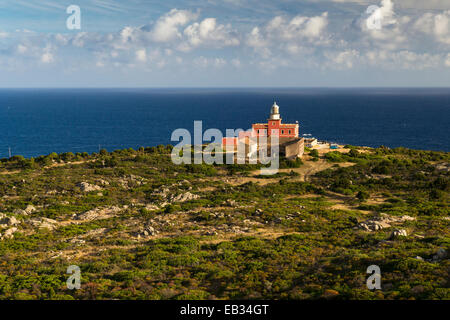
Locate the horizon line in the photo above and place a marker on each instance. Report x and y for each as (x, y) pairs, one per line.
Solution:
(231, 87)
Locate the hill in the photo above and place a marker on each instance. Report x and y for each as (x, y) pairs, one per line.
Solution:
(140, 227)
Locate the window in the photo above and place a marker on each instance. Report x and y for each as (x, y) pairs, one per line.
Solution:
(282, 132)
(258, 131)
(289, 131)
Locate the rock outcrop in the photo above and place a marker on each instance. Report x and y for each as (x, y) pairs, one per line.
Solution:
(97, 213)
(151, 207)
(24, 212)
(383, 221)
(168, 198)
(43, 223)
(131, 180)
(398, 233)
(6, 221)
(8, 234)
(373, 225)
(86, 187)
(147, 231)
(183, 197)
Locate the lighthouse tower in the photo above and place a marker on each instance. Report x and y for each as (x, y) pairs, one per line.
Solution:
(274, 122)
(275, 112)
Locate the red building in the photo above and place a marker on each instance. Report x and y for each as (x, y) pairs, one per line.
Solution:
(275, 127)
(285, 131)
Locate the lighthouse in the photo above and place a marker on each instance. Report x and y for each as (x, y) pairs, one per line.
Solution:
(291, 146)
(275, 127)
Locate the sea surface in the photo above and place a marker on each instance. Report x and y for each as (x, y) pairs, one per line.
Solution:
(41, 121)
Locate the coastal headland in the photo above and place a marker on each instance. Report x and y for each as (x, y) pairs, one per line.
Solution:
(139, 226)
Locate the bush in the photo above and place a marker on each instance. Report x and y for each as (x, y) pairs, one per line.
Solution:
(314, 153)
(363, 195)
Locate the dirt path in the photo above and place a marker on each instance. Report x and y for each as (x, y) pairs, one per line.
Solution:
(305, 172)
(9, 172)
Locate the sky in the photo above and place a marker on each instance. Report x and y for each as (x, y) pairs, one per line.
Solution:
(225, 43)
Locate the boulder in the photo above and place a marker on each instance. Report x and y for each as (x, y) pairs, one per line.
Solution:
(147, 231)
(236, 229)
(24, 212)
(43, 223)
(443, 166)
(9, 234)
(20, 212)
(398, 233)
(30, 209)
(393, 219)
(151, 207)
(406, 218)
(371, 225)
(131, 180)
(440, 254)
(103, 182)
(183, 197)
(8, 221)
(382, 221)
(86, 187)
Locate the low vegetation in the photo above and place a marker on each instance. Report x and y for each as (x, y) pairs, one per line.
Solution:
(140, 227)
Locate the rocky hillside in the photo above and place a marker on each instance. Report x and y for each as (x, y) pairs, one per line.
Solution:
(140, 227)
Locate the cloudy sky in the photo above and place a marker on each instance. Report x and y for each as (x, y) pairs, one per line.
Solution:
(225, 43)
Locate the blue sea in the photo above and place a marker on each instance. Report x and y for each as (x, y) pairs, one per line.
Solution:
(40, 121)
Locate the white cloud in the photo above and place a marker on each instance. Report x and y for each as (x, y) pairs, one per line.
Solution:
(141, 55)
(383, 26)
(182, 40)
(290, 36)
(384, 14)
(219, 62)
(447, 60)
(208, 32)
(47, 57)
(299, 27)
(342, 60)
(407, 4)
(403, 60)
(167, 27)
(209, 62)
(435, 25)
